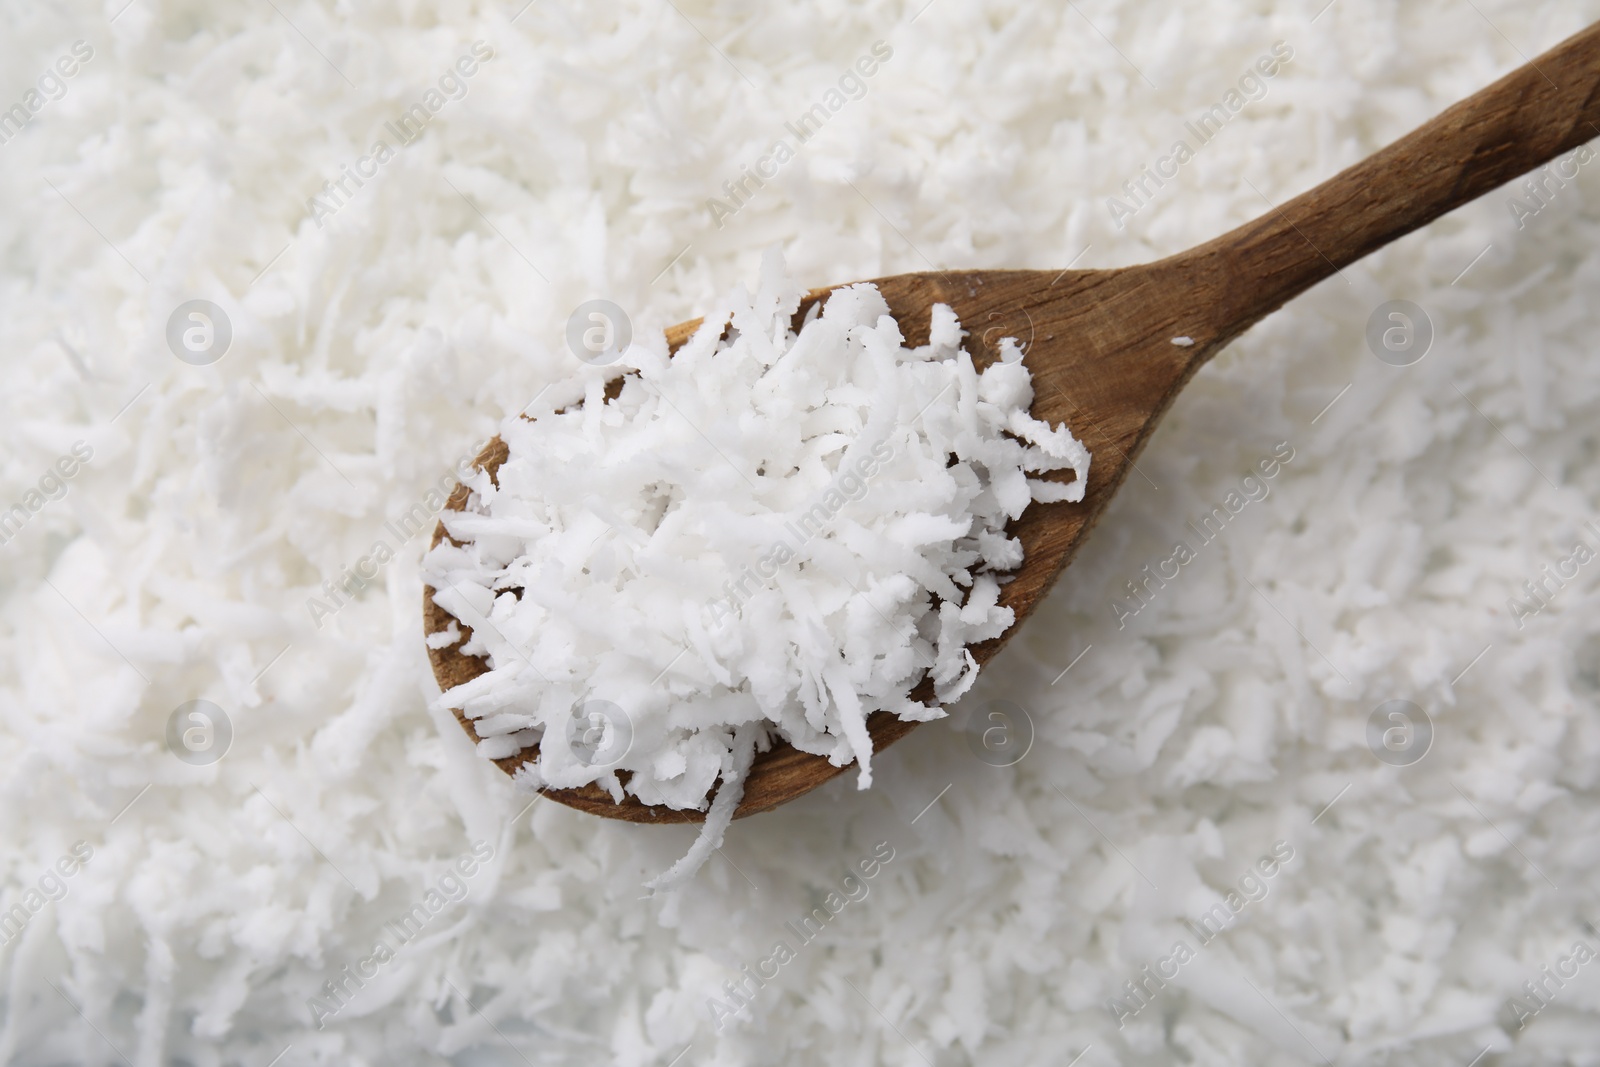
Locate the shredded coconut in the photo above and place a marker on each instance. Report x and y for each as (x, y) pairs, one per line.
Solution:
(210, 907)
(785, 528)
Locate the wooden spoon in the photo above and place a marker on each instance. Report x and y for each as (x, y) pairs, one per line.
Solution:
(1099, 343)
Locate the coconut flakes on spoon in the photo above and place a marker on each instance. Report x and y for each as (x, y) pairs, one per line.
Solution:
(769, 535)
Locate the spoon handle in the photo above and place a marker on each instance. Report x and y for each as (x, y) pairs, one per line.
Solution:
(1537, 112)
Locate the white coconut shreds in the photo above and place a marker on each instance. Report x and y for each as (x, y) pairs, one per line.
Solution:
(371, 354)
(791, 529)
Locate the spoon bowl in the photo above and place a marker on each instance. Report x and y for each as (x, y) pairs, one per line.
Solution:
(1109, 350)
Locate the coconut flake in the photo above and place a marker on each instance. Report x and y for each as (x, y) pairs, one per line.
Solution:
(775, 534)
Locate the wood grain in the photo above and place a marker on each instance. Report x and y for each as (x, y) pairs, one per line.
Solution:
(1099, 343)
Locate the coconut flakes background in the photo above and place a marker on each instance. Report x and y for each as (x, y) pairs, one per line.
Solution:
(370, 354)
